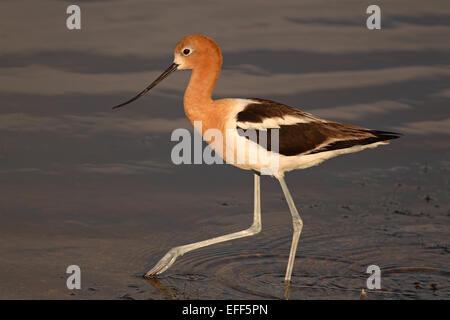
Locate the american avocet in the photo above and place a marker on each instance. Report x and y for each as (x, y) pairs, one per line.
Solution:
(303, 139)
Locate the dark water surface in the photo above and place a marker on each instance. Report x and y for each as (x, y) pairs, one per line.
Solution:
(396, 218)
(80, 184)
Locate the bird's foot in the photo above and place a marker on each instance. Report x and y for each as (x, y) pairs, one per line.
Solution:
(287, 289)
(165, 263)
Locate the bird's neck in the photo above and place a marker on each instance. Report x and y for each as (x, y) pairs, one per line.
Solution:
(198, 96)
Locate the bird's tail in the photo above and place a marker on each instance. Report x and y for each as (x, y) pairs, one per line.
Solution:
(384, 135)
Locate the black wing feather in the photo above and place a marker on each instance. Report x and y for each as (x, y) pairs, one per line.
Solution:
(306, 138)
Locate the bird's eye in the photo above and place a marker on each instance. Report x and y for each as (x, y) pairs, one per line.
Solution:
(186, 51)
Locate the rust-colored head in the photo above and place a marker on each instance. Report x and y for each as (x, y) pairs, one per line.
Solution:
(193, 51)
(196, 50)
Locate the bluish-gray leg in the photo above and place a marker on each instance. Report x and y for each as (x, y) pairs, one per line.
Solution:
(297, 225)
(176, 252)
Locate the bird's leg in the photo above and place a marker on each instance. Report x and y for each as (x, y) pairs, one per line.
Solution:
(176, 252)
(297, 226)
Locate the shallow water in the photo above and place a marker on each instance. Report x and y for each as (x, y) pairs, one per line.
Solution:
(386, 218)
(80, 184)
(334, 252)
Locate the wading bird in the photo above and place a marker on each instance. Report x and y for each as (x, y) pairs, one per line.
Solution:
(303, 139)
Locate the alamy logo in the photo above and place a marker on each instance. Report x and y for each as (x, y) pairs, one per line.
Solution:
(244, 148)
(73, 21)
(374, 20)
(374, 281)
(74, 280)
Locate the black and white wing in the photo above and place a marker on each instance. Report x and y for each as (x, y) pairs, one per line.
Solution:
(301, 133)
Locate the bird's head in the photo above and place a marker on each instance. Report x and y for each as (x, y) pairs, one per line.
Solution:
(191, 52)
(197, 50)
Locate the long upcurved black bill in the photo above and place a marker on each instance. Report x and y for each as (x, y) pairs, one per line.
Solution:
(172, 68)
